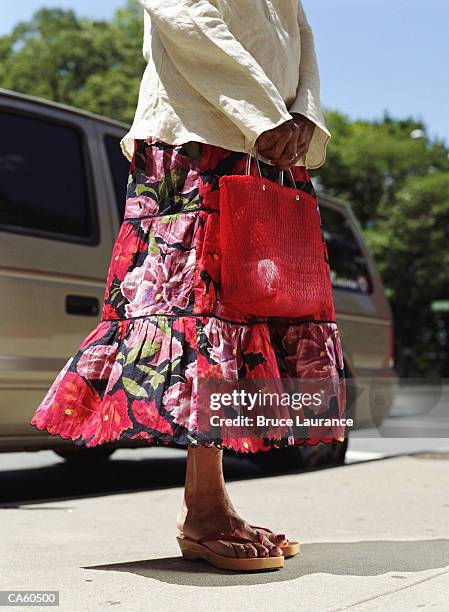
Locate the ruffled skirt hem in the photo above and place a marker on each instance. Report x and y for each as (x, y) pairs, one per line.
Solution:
(137, 379)
(238, 445)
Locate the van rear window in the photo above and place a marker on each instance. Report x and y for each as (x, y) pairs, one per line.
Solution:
(43, 186)
(348, 265)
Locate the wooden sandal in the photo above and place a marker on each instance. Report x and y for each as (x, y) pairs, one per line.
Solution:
(195, 549)
(289, 550)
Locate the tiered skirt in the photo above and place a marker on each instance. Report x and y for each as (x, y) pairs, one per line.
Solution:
(163, 328)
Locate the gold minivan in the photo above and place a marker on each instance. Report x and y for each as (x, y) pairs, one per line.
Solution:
(62, 194)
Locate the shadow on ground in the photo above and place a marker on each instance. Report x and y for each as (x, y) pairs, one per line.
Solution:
(366, 558)
(64, 481)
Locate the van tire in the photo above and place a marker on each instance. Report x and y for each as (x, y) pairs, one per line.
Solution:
(81, 456)
(278, 460)
(303, 457)
(330, 454)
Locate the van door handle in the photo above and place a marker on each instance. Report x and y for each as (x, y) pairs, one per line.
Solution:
(82, 305)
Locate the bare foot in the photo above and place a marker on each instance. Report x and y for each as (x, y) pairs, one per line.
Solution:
(279, 539)
(226, 520)
(207, 509)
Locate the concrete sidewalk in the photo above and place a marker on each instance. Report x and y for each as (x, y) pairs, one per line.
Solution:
(375, 537)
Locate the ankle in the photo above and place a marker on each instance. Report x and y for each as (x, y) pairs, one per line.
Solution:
(201, 509)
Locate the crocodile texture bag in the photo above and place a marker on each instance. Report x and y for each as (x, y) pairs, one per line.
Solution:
(274, 259)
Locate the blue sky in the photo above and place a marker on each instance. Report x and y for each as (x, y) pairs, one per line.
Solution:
(374, 55)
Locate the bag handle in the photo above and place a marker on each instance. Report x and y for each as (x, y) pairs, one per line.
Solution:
(281, 172)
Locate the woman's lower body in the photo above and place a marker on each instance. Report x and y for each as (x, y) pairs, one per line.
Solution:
(164, 329)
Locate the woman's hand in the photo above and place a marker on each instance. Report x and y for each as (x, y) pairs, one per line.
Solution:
(285, 144)
(306, 130)
(279, 144)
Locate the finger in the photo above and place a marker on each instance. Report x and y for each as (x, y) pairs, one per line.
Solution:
(266, 141)
(269, 138)
(303, 148)
(300, 153)
(290, 164)
(290, 150)
(276, 146)
(290, 146)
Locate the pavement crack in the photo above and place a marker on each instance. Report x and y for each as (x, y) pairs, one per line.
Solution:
(391, 592)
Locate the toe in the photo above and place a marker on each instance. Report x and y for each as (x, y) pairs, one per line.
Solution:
(278, 538)
(240, 550)
(251, 550)
(262, 551)
(274, 551)
(223, 548)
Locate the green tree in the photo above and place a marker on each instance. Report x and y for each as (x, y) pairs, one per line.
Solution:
(94, 65)
(398, 187)
(410, 244)
(368, 161)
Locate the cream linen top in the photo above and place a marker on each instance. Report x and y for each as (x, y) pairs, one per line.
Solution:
(224, 71)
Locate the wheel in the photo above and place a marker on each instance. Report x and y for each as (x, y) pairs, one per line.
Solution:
(278, 460)
(324, 455)
(330, 454)
(82, 455)
(301, 457)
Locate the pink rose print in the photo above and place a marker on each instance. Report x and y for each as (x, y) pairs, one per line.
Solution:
(226, 345)
(50, 396)
(161, 285)
(115, 375)
(140, 206)
(172, 229)
(96, 361)
(162, 346)
(180, 399)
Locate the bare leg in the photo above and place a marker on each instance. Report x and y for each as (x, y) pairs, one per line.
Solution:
(188, 489)
(208, 508)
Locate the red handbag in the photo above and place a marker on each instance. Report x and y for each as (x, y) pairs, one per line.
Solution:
(274, 259)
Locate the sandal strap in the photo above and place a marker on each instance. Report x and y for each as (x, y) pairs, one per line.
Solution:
(229, 537)
(264, 529)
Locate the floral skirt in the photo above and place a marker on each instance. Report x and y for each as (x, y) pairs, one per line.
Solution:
(163, 328)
